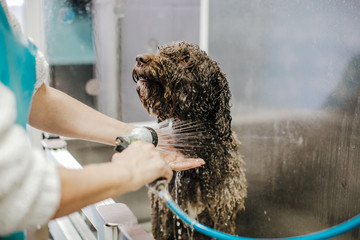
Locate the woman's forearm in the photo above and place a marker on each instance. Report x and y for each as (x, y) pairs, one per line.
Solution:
(93, 183)
(56, 112)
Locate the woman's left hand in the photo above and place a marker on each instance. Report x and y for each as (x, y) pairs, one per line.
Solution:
(178, 162)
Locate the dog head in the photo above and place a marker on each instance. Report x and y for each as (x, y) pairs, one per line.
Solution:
(181, 81)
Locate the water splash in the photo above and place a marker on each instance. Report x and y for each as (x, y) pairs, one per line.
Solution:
(177, 187)
(180, 135)
(174, 134)
(177, 190)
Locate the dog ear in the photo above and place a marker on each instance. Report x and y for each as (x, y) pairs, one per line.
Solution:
(185, 100)
(209, 102)
(222, 108)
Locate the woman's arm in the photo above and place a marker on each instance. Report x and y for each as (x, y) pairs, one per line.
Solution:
(56, 112)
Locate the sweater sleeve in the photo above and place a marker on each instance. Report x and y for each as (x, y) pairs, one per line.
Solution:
(29, 183)
(42, 70)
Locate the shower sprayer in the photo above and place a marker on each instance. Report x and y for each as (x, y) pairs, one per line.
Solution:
(146, 134)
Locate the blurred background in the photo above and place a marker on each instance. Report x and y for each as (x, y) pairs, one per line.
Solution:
(294, 73)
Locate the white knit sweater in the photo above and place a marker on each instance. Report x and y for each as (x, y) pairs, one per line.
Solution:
(29, 183)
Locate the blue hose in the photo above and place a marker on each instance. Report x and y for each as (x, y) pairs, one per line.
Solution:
(324, 234)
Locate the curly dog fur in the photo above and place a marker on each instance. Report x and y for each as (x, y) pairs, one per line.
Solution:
(183, 82)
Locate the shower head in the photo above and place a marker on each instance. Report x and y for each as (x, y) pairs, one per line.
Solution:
(168, 136)
(146, 134)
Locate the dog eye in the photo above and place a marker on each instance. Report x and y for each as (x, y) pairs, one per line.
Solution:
(186, 59)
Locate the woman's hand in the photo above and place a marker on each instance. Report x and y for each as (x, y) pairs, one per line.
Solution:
(143, 163)
(178, 162)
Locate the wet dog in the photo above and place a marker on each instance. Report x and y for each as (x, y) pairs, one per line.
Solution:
(181, 81)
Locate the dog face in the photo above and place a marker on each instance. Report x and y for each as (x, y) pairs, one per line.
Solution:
(181, 81)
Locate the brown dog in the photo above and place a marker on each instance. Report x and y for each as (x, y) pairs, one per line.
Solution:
(184, 83)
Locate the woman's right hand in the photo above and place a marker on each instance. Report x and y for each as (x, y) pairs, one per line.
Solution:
(143, 163)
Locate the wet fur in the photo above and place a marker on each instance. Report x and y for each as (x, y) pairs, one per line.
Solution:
(183, 82)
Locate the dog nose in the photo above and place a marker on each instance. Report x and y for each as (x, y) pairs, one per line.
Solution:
(142, 58)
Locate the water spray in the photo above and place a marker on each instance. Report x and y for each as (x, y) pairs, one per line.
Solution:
(160, 187)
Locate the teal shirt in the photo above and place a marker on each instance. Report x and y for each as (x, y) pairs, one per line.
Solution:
(18, 73)
(17, 67)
